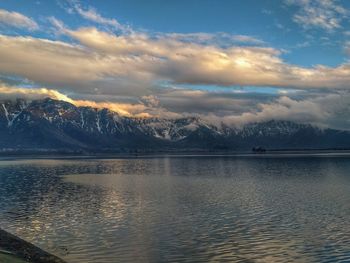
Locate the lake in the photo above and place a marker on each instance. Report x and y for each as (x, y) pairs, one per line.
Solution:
(262, 208)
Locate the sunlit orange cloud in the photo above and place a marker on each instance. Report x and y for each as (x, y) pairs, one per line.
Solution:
(124, 109)
(33, 93)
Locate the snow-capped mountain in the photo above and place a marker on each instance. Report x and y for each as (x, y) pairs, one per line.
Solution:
(52, 125)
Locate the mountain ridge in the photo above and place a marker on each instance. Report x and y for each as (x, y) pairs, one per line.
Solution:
(53, 125)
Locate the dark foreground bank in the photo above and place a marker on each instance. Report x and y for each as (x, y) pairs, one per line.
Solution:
(17, 250)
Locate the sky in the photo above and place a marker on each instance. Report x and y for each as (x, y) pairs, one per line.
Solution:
(231, 62)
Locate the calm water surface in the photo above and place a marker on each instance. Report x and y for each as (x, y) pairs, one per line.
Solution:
(181, 209)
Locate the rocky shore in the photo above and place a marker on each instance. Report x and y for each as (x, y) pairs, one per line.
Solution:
(14, 249)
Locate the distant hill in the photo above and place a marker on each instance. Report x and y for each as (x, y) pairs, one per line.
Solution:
(52, 125)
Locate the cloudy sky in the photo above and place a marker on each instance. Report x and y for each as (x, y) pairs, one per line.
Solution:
(224, 61)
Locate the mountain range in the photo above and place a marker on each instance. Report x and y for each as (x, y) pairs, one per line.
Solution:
(50, 125)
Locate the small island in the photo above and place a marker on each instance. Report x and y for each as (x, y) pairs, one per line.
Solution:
(258, 149)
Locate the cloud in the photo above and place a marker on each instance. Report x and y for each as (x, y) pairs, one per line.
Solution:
(10, 92)
(91, 14)
(322, 14)
(107, 63)
(18, 20)
(347, 47)
(150, 100)
(124, 109)
(218, 38)
(59, 63)
(199, 102)
(330, 111)
(246, 39)
(323, 110)
(284, 108)
(58, 25)
(183, 62)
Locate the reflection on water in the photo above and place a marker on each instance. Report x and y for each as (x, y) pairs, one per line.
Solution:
(186, 209)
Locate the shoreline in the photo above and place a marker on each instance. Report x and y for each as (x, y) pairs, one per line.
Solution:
(268, 153)
(45, 152)
(18, 249)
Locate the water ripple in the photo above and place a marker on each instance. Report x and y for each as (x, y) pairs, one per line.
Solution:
(181, 209)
